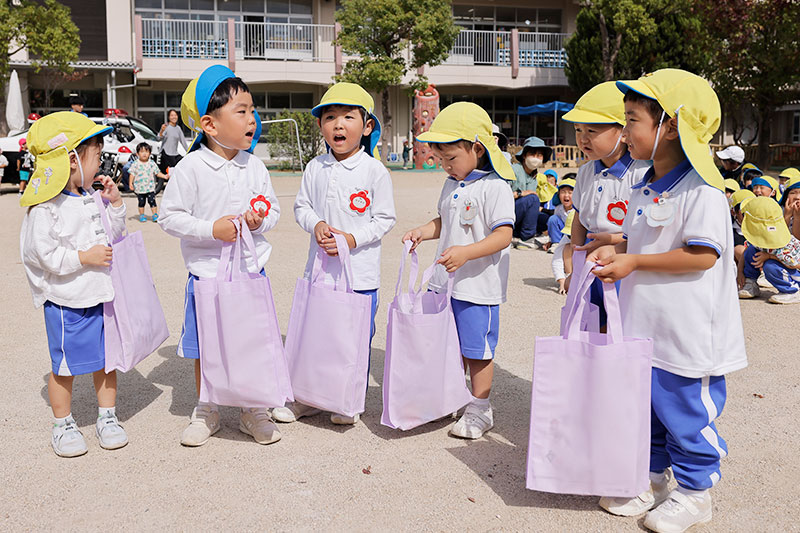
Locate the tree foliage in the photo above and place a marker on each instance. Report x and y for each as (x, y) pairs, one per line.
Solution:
(282, 139)
(623, 39)
(391, 38)
(45, 30)
(754, 58)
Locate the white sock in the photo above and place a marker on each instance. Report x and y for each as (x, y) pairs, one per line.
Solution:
(699, 495)
(106, 411)
(61, 421)
(659, 478)
(482, 403)
(212, 406)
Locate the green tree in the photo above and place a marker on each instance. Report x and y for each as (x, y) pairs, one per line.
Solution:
(390, 39)
(754, 50)
(45, 30)
(623, 39)
(282, 139)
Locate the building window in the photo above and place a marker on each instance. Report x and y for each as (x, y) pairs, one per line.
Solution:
(153, 107)
(796, 128)
(59, 101)
(298, 11)
(499, 18)
(277, 102)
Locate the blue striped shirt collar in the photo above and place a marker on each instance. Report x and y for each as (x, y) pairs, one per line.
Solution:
(618, 169)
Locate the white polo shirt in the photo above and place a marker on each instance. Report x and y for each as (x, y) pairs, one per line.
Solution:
(470, 210)
(601, 193)
(694, 318)
(52, 234)
(355, 196)
(204, 187)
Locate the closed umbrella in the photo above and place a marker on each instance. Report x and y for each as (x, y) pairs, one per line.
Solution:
(15, 112)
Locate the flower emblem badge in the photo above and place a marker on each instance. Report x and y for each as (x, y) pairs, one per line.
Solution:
(359, 202)
(260, 203)
(617, 212)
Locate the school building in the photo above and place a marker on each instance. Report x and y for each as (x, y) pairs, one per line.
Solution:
(138, 55)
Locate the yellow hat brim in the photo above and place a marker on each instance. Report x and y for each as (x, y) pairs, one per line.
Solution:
(584, 116)
(48, 179)
(699, 155)
(732, 185)
(768, 235)
(499, 162)
(439, 137)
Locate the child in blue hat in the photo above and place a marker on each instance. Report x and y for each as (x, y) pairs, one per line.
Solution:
(218, 181)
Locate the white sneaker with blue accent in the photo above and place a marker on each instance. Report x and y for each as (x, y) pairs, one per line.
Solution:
(68, 440)
(679, 512)
(785, 298)
(110, 433)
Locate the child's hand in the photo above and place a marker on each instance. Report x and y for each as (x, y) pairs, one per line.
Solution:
(600, 254)
(110, 191)
(760, 258)
(224, 230)
(562, 286)
(98, 255)
(454, 258)
(253, 219)
(598, 240)
(615, 267)
(740, 280)
(415, 236)
(321, 231)
(351, 241)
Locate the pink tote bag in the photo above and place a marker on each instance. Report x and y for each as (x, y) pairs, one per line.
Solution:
(327, 342)
(242, 362)
(423, 373)
(590, 406)
(590, 319)
(133, 321)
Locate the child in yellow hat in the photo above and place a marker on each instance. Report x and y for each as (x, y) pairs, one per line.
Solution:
(791, 202)
(679, 290)
(218, 181)
(766, 186)
(786, 175)
(346, 191)
(474, 228)
(562, 255)
(738, 200)
(772, 249)
(66, 254)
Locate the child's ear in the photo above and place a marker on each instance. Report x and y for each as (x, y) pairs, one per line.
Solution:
(319, 124)
(208, 125)
(672, 128)
(479, 148)
(73, 160)
(368, 126)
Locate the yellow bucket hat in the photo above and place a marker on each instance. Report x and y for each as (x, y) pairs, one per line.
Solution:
(50, 140)
(602, 104)
(790, 173)
(742, 196)
(690, 98)
(469, 122)
(345, 93)
(768, 181)
(568, 223)
(732, 185)
(763, 225)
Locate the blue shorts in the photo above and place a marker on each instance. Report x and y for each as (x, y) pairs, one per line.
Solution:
(24, 175)
(478, 328)
(76, 339)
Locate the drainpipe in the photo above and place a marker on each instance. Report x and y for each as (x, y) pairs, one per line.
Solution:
(514, 53)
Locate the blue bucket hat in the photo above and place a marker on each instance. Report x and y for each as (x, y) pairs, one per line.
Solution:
(536, 142)
(196, 97)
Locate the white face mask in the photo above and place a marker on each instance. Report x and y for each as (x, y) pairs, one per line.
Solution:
(658, 132)
(532, 161)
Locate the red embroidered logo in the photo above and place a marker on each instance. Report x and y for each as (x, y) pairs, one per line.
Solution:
(617, 212)
(259, 203)
(359, 201)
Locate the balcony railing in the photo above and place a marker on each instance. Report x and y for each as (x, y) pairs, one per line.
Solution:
(197, 39)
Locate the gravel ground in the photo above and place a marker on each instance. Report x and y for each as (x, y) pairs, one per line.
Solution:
(361, 478)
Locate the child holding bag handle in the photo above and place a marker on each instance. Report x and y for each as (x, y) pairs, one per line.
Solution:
(474, 228)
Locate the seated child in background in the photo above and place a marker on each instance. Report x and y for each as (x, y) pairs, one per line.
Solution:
(562, 255)
(771, 248)
(731, 186)
(562, 206)
(786, 175)
(766, 186)
(143, 173)
(474, 228)
(218, 182)
(791, 204)
(346, 191)
(737, 201)
(66, 254)
(749, 172)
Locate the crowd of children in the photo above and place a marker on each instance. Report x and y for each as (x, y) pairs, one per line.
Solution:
(649, 207)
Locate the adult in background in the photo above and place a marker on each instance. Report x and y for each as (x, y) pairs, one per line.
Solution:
(527, 203)
(732, 159)
(170, 135)
(502, 141)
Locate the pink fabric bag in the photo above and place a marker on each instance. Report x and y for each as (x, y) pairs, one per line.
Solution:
(590, 319)
(327, 342)
(590, 406)
(242, 362)
(423, 373)
(133, 321)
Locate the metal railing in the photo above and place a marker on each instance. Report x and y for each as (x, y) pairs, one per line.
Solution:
(480, 47)
(286, 42)
(542, 49)
(186, 39)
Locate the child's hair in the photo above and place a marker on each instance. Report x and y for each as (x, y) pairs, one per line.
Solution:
(76, 99)
(143, 146)
(224, 92)
(569, 175)
(361, 110)
(652, 106)
(483, 161)
(91, 141)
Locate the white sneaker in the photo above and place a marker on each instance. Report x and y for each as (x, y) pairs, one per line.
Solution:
(203, 423)
(678, 513)
(342, 420)
(110, 434)
(527, 244)
(785, 298)
(68, 440)
(257, 423)
(292, 412)
(474, 423)
(645, 501)
(750, 289)
(541, 240)
(763, 283)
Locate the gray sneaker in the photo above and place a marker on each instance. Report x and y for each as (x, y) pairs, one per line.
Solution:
(110, 434)
(257, 423)
(750, 290)
(68, 440)
(203, 424)
(785, 298)
(342, 420)
(678, 513)
(473, 423)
